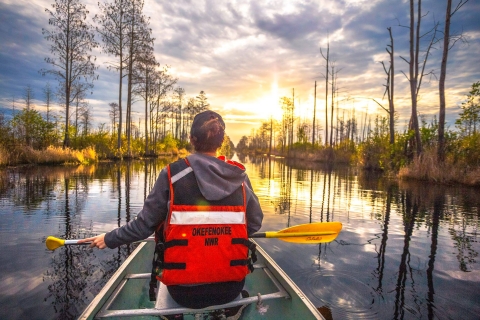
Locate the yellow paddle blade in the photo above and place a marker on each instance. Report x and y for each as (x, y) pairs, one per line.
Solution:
(318, 232)
(53, 243)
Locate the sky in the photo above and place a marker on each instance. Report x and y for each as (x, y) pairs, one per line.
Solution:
(246, 55)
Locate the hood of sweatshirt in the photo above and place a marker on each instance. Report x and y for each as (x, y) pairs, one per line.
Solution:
(216, 178)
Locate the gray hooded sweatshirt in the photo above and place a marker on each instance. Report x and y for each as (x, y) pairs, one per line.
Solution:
(216, 179)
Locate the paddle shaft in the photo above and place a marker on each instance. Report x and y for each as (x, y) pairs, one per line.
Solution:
(73, 242)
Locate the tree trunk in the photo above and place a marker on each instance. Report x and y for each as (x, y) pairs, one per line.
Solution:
(441, 85)
(414, 51)
(326, 96)
(391, 86)
(146, 116)
(66, 141)
(314, 114)
(129, 90)
(332, 106)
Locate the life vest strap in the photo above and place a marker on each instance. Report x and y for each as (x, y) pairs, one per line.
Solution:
(158, 263)
(252, 246)
(253, 253)
(174, 265)
(243, 262)
(239, 262)
(249, 244)
(162, 246)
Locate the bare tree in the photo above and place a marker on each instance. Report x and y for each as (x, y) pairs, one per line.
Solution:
(415, 75)
(28, 97)
(448, 43)
(72, 41)
(139, 37)
(190, 113)
(287, 106)
(179, 94)
(334, 93)
(80, 104)
(327, 70)
(86, 119)
(314, 115)
(112, 29)
(163, 84)
(48, 94)
(144, 82)
(389, 87)
(114, 114)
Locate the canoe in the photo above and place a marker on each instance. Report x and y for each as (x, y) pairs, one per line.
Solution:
(272, 294)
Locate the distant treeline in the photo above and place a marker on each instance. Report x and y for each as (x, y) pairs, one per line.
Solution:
(370, 145)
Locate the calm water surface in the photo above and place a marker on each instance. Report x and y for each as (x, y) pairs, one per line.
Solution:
(406, 251)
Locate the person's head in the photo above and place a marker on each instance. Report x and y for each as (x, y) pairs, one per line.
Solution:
(208, 131)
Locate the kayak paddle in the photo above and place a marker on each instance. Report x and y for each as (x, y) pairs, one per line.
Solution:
(317, 232)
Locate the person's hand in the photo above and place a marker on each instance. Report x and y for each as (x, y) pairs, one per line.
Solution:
(97, 241)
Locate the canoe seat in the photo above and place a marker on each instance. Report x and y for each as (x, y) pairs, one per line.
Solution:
(165, 305)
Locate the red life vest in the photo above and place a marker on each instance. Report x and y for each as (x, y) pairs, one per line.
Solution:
(203, 241)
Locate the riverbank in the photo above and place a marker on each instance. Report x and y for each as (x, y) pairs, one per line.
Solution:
(427, 168)
(22, 155)
(423, 168)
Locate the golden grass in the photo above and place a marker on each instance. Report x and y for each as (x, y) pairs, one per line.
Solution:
(50, 155)
(427, 167)
(3, 156)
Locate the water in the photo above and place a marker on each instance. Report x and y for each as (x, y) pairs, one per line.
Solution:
(406, 251)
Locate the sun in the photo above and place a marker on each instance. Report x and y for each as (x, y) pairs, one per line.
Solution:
(268, 106)
(262, 107)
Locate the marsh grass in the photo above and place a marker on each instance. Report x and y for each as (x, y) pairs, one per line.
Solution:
(427, 168)
(3, 156)
(50, 155)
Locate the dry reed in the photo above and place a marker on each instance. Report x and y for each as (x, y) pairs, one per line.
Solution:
(427, 167)
(3, 156)
(50, 155)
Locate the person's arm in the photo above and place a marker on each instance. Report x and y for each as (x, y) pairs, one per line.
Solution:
(254, 211)
(154, 211)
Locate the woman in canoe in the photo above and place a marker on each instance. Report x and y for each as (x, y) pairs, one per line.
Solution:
(202, 209)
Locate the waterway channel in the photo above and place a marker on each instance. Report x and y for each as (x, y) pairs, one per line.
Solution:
(408, 250)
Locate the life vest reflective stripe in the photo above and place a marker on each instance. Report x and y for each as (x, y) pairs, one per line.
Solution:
(207, 217)
(204, 241)
(181, 174)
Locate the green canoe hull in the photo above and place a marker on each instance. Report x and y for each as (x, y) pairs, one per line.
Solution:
(273, 295)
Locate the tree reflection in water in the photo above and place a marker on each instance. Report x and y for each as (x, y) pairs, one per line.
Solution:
(77, 273)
